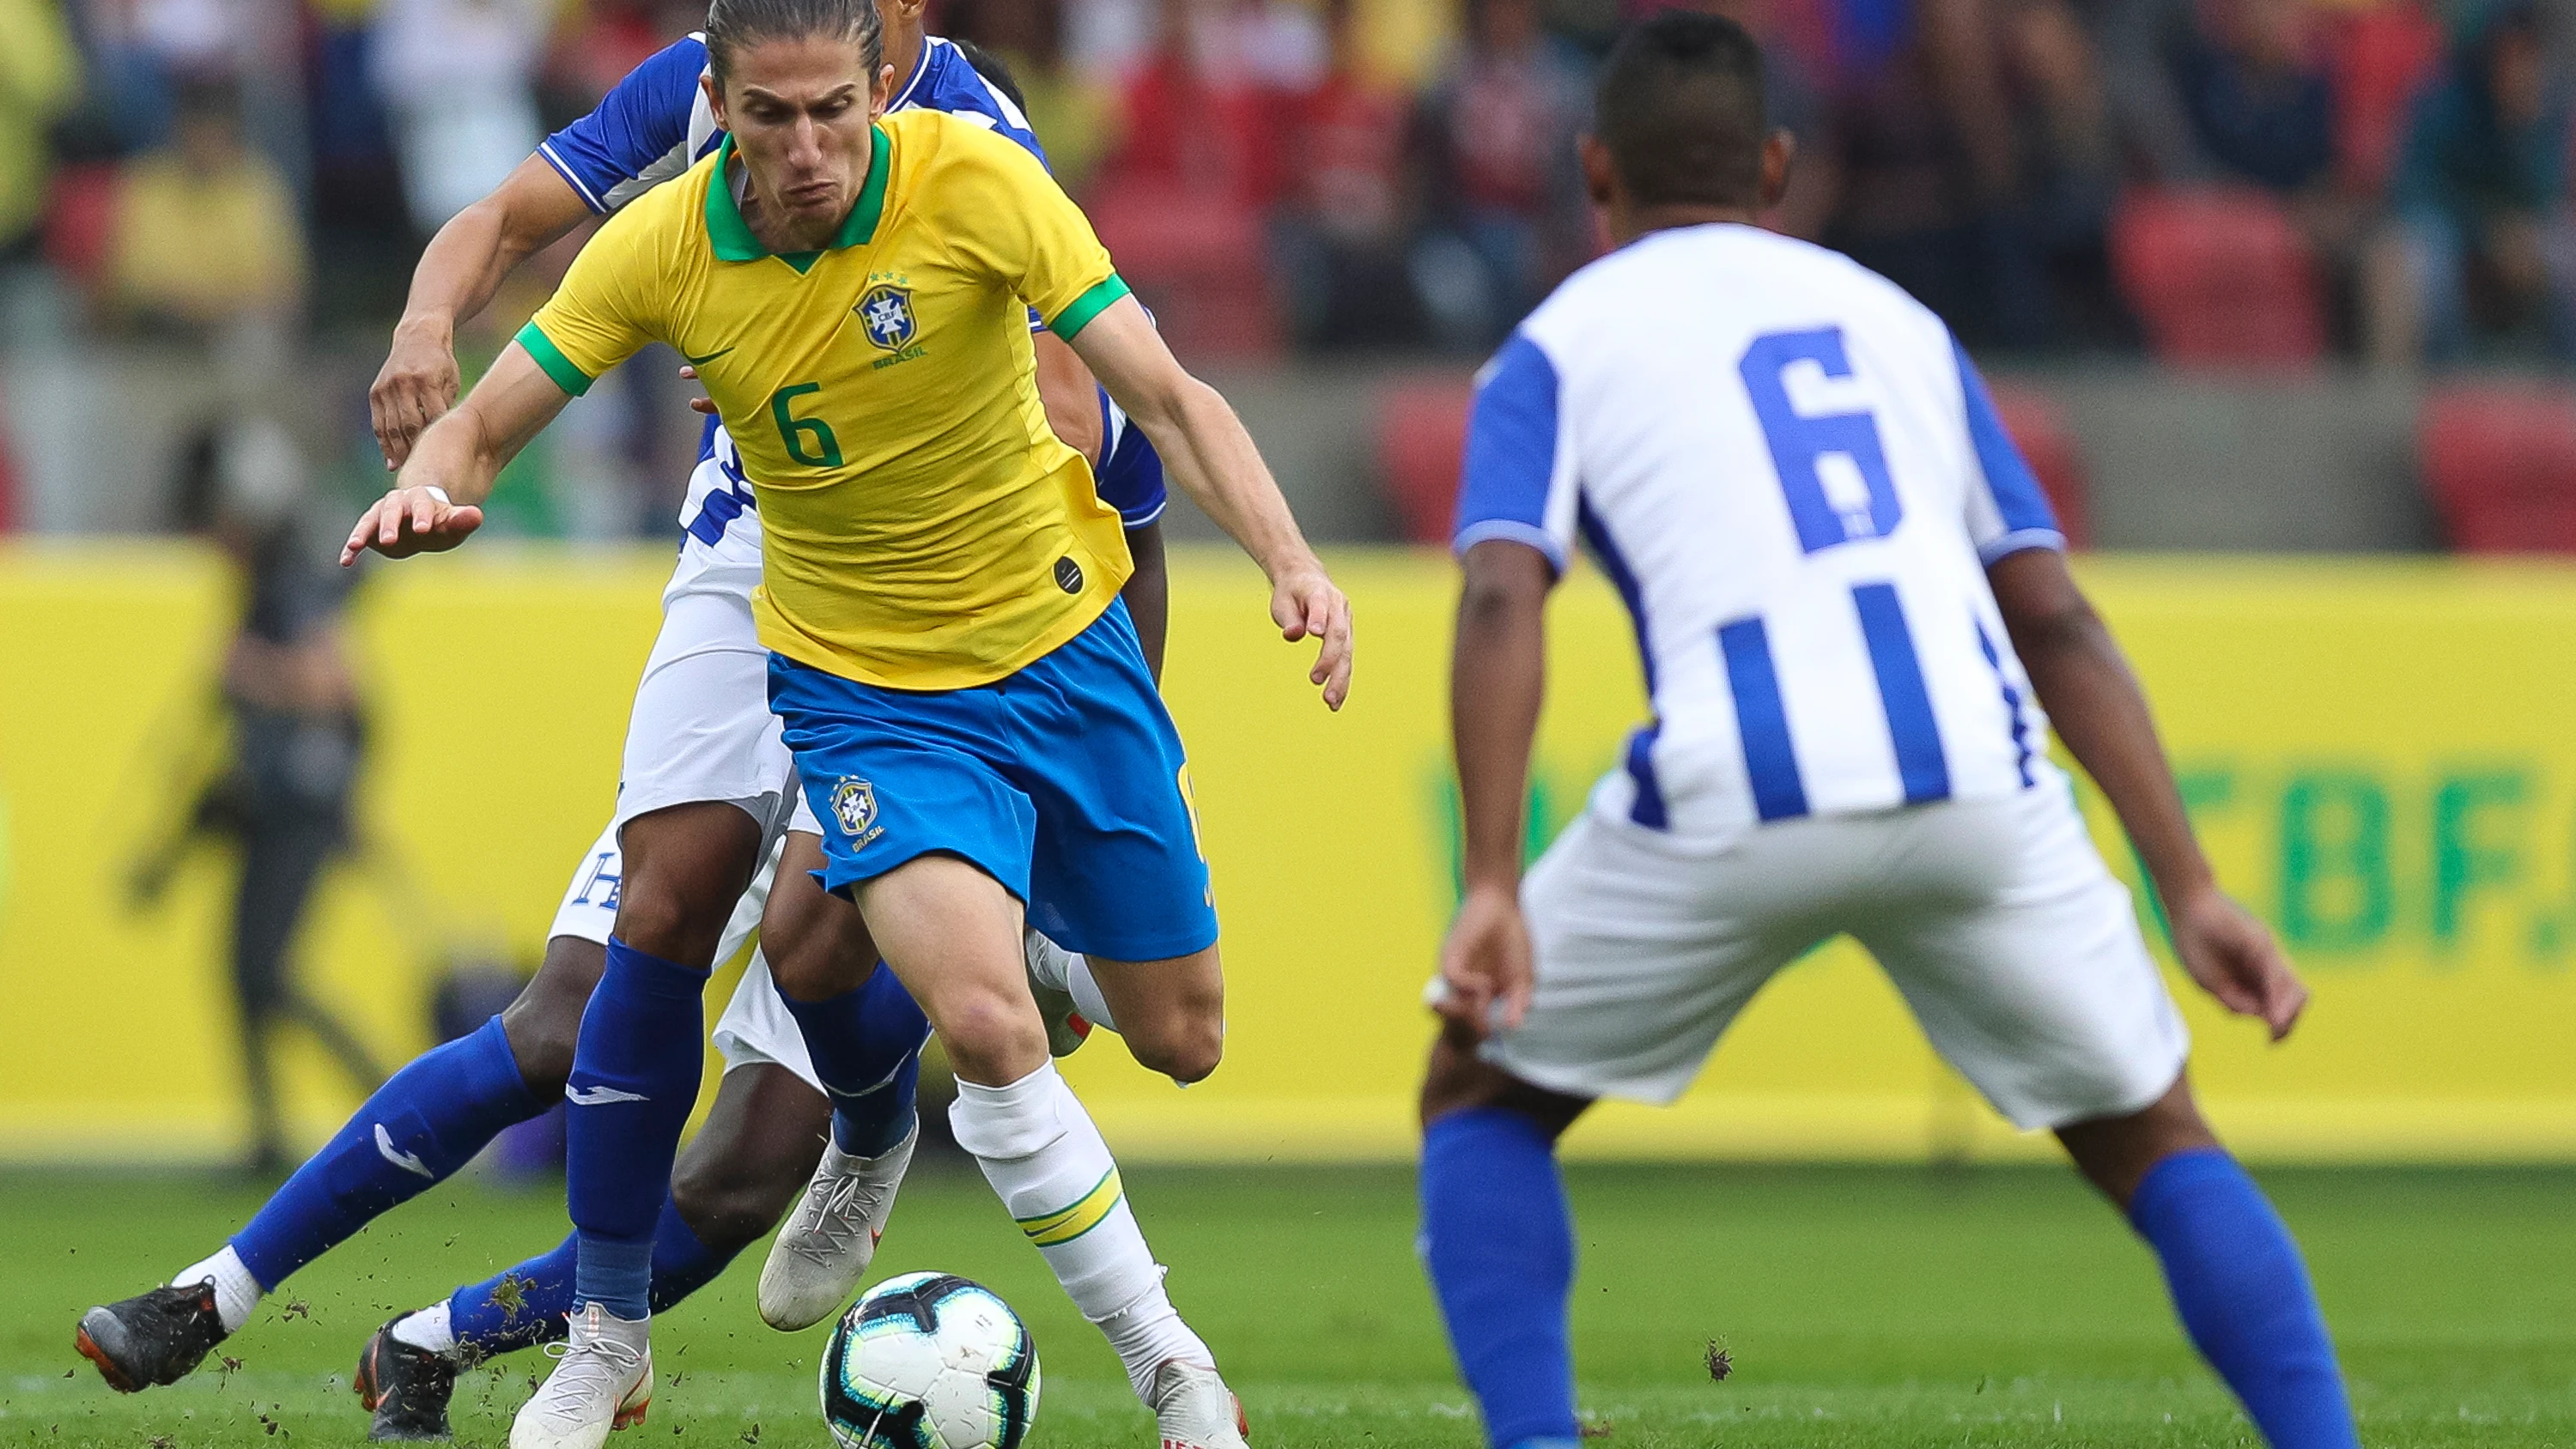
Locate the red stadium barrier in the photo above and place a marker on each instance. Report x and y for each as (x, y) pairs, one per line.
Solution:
(2499, 460)
(1421, 439)
(80, 220)
(2220, 278)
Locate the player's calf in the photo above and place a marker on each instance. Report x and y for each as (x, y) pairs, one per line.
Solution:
(1171, 1013)
(2238, 1282)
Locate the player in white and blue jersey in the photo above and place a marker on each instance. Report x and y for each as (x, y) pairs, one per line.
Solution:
(703, 750)
(1852, 606)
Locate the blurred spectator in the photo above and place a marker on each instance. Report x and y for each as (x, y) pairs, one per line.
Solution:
(39, 77)
(458, 77)
(2260, 105)
(1503, 189)
(1341, 229)
(206, 238)
(280, 790)
(1071, 113)
(1190, 118)
(2067, 172)
(2480, 200)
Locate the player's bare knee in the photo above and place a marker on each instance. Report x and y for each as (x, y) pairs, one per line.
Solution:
(991, 1036)
(1186, 1050)
(1458, 1081)
(544, 1021)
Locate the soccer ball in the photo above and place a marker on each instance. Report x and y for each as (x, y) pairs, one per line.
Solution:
(930, 1361)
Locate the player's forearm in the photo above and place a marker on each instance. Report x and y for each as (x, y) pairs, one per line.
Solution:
(464, 452)
(2094, 700)
(1497, 679)
(463, 265)
(1148, 593)
(1207, 451)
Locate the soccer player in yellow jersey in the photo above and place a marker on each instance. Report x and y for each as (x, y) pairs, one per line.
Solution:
(969, 709)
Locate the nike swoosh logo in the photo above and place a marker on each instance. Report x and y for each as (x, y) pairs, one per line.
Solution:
(600, 1096)
(407, 1161)
(710, 357)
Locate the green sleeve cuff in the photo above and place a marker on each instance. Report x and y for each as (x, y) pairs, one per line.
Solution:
(571, 379)
(1087, 306)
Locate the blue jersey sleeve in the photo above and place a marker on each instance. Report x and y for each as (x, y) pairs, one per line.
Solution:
(1514, 484)
(1130, 476)
(2007, 509)
(638, 134)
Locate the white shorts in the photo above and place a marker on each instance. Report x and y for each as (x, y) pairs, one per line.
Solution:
(2015, 947)
(755, 1026)
(701, 728)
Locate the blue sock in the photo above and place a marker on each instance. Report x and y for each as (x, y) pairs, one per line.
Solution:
(634, 1079)
(422, 1125)
(1499, 1241)
(866, 1046)
(519, 1307)
(2243, 1295)
(489, 1318)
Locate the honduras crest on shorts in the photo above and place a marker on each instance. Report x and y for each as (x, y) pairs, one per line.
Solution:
(885, 313)
(854, 808)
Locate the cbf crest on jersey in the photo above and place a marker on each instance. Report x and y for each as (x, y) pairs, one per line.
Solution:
(885, 311)
(854, 805)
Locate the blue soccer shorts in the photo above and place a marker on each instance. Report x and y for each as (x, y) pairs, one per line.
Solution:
(1065, 782)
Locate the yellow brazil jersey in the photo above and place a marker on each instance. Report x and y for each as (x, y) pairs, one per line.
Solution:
(923, 527)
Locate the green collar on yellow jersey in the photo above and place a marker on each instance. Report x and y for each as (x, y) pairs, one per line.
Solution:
(731, 235)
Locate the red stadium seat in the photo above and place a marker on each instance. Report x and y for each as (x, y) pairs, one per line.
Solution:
(2220, 277)
(2499, 460)
(80, 220)
(2039, 428)
(1421, 439)
(1200, 263)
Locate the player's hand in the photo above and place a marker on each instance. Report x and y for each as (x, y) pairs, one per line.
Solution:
(2234, 958)
(1305, 605)
(1485, 964)
(415, 388)
(411, 520)
(699, 404)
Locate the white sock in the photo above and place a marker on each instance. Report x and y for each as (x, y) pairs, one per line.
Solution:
(1047, 1162)
(1069, 971)
(1086, 992)
(431, 1328)
(237, 1293)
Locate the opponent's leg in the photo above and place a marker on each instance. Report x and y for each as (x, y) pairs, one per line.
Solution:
(863, 1036)
(953, 934)
(634, 1080)
(1170, 1013)
(423, 1124)
(1498, 1240)
(2236, 1276)
(758, 1147)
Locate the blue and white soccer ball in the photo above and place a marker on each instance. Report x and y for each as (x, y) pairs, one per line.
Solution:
(930, 1361)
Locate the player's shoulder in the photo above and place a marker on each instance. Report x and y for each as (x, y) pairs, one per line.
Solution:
(1690, 276)
(663, 221)
(950, 79)
(955, 152)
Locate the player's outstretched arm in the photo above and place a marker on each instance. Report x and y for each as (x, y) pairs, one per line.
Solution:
(1497, 678)
(436, 502)
(533, 208)
(1207, 452)
(2085, 684)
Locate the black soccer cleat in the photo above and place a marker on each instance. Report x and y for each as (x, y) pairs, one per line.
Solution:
(407, 1388)
(153, 1338)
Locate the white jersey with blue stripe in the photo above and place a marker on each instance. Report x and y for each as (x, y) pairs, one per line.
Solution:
(654, 125)
(1796, 480)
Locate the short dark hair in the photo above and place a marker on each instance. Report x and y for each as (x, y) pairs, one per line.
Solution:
(733, 24)
(1681, 110)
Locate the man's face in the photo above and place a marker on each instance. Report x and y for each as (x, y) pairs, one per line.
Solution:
(799, 111)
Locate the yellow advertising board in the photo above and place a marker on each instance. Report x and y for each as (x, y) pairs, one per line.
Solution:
(2379, 755)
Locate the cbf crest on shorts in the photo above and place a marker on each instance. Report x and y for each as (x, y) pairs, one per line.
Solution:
(854, 805)
(885, 314)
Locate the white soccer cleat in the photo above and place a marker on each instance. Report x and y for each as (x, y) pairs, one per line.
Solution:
(1194, 1409)
(825, 1248)
(603, 1381)
(1050, 966)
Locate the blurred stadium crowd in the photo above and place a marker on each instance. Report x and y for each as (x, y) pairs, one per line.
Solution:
(2277, 182)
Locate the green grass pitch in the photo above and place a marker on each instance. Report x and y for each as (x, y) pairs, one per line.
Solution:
(1860, 1306)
